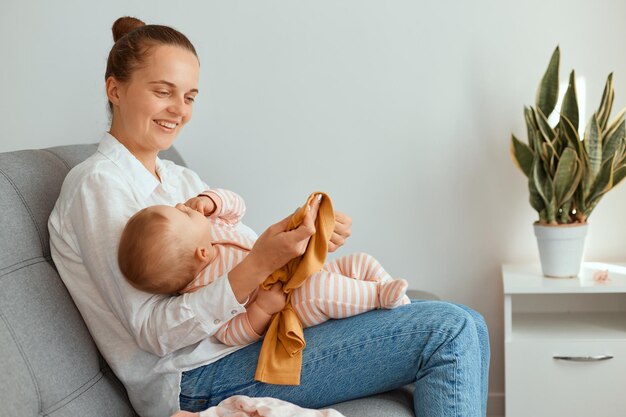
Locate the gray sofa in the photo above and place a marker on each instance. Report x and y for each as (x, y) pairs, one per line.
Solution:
(49, 364)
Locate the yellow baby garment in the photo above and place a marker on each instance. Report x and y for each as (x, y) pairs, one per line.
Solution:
(280, 359)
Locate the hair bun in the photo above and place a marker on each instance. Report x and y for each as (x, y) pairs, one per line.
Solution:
(123, 25)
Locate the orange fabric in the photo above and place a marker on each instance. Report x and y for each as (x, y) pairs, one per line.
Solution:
(280, 359)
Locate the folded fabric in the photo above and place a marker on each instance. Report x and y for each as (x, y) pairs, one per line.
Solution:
(243, 406)
(280, 359)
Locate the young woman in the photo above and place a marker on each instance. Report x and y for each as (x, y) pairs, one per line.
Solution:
(162, 347)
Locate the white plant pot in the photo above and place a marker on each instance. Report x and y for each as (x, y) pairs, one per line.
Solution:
(561, 249)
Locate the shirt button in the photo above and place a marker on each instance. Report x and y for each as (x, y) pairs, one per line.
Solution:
(233, 312)
(216, 321)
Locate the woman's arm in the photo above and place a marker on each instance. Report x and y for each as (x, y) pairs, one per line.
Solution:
(272, 250)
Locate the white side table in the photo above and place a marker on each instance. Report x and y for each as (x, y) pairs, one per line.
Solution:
(565, 343)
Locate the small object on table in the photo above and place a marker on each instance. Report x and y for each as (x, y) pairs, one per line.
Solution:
(601, 276)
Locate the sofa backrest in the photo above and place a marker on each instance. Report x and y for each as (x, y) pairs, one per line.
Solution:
(49, 364)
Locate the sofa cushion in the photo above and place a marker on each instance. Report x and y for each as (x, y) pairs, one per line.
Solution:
(48, 360)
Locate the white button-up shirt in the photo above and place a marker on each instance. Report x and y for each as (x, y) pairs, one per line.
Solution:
(148, 340)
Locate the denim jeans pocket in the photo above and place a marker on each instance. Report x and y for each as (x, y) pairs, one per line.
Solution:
(191, 397)
(193, 404)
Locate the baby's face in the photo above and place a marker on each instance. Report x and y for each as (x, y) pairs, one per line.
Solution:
(190, 224)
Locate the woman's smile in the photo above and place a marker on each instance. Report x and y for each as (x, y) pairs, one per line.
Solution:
(165, 125)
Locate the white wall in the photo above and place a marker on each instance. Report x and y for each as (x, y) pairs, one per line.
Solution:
(401, 110)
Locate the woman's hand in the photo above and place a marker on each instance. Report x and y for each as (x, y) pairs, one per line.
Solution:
(277, 246)
(342, 231)
(203, 204)
(272, 250)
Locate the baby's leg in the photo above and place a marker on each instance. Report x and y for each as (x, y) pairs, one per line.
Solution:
(365, 267)
(327, 295)
(358, 266)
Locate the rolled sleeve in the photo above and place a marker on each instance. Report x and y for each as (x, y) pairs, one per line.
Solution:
(214, 304)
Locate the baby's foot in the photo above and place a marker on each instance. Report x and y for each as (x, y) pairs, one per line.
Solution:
(392, 294)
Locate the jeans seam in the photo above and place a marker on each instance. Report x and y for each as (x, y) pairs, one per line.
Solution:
(456, 375)
(373, 340)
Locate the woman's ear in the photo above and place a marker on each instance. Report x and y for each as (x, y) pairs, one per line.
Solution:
(113, 87)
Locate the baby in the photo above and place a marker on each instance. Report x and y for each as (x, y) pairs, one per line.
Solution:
(170, 250)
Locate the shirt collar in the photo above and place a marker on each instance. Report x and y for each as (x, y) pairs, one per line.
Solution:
(134, 170)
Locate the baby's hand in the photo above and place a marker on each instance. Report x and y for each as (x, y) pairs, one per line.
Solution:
(273, 300)
(203, 204)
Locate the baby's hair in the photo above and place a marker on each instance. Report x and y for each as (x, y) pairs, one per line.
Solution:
(152, 257)
(133, 43)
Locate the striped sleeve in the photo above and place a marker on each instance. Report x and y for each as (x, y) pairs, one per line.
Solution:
(229, 206)
(237, 331)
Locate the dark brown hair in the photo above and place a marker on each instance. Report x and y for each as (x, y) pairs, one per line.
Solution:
(133, 43)
(151, 255)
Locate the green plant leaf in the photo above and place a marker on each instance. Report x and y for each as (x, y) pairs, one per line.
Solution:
(618, 175)
(614, 123)
(593, 145)
(579, 200)
(542, 122)
(560, 142)
(522, 155)
(569, 107)
(575, 185)
(535, 199)
(603, 183)
(549, 163)
(567, 129)
(531, 127)
(611, 143)
(548, 91)
(566, 177)
(583, 188)
(620, 156)
(543, 182)
(606, 103)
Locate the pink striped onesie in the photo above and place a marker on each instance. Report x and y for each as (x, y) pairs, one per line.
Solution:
(345, 287)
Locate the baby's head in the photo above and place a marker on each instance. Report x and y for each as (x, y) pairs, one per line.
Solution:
(163, 248)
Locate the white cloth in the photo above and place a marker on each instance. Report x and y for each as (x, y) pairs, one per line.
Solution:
(148, 340)
(243, 406)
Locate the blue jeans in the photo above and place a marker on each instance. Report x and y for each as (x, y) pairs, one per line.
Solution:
(441, 347)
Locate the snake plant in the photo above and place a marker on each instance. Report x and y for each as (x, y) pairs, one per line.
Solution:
(567, 175)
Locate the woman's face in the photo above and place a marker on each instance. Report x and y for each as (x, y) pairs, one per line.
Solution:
(150, 110)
